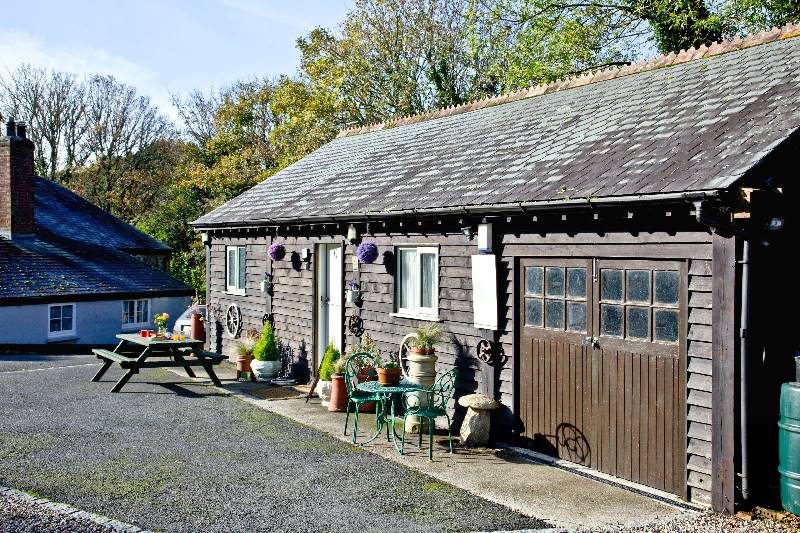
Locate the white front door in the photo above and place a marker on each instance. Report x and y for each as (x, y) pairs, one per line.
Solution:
(329, 303)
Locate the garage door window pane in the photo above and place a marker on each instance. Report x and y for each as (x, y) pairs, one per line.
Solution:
(534, 280)
(533, 312)
(576, 282)
(638, 321)
(666, 325)
(668, 285)
(611, 285)
(611, 320)
(555, 281)
(555, 314)
(576, 316)
(638, 286)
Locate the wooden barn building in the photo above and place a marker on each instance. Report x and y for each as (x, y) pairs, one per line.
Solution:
(638, 296)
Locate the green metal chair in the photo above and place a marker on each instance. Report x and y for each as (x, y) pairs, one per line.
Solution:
(358, 365)
(438, 396)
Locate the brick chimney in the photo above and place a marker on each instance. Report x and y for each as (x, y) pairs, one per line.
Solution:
(16, 181)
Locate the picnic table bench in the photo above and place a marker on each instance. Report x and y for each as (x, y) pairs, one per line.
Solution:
(156, 353)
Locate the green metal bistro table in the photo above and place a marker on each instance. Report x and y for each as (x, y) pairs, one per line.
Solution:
(135, 352)
(387, 394)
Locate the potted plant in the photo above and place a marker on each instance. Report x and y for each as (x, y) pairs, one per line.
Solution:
(388, 373)
(266, 358)
(338, 400)
(326, 372)
(425, 339)
(244, 353)
(353, 292)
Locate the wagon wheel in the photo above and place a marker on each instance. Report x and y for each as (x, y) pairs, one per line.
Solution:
(402, 355)
(233, 321)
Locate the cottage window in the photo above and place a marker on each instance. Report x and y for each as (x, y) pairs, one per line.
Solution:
(135, 313)
(61, 320)
(236, 263)
(417, 281)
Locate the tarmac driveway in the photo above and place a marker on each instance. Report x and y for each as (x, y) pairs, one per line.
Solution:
(173, 456)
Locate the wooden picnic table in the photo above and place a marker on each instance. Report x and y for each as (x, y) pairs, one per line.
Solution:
(135, 352)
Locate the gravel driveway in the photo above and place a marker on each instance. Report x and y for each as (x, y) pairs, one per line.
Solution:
(173, 456)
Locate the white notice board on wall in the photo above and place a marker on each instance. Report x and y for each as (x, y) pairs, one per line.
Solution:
(484, 291)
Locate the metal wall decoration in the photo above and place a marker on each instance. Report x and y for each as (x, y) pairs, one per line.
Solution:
(233, 321)
(268, 317)
(355, 325)
(485, 351)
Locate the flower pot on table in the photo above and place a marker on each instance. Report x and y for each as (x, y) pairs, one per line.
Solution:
(389, 377)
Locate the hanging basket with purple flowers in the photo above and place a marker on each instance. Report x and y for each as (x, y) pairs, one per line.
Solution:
(277, 251)
(367, 252)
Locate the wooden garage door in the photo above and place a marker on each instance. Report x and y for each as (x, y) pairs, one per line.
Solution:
(601, 368)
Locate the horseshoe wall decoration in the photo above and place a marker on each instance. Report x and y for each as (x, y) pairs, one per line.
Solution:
(355, 325)
(485, 351)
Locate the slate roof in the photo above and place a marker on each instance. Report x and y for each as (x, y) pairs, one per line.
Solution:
(37, 268)
(79, 251)
(672, 125)
(65, 215)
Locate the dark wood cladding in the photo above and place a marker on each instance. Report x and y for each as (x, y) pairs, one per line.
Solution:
(722, 383)
(685, 447)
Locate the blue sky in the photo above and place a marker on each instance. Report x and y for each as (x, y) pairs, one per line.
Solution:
(166, 46)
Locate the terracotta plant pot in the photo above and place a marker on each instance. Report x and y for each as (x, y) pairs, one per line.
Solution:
(389, 377)
(243, 365)
(338, 402)
(420, 351)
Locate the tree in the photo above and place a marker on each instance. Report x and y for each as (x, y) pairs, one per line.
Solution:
(393, 57)
(749, 16)
(54, 105)
(119, 123)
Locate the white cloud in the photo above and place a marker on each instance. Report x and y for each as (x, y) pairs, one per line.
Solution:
(18, 47)
(259, 10)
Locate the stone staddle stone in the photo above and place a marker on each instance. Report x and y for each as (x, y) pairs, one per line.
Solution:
(479, 402)
(477, 424)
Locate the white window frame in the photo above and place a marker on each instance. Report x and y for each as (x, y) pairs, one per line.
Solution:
(234, 288)
(145, 315)
(417, 311)
(63, 333)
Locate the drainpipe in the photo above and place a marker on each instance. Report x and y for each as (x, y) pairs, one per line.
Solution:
(744, 359)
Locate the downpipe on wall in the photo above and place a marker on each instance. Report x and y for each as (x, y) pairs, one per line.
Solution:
(744, 364)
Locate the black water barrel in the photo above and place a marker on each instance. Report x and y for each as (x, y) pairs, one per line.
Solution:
(789, 447)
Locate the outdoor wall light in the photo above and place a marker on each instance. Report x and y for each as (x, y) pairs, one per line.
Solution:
(352, 233)
(204, 238)
(466, 231)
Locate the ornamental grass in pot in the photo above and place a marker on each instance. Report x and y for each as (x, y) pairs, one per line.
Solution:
(425, 339)
(338, 402)
(266, 358)
(244, 353)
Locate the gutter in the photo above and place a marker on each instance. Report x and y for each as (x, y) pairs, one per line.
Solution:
(503, 208)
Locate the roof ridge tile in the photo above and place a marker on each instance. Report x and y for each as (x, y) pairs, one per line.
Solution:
(789, 30)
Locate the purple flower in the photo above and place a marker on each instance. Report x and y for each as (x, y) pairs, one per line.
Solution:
(277, 251)
(367, 252)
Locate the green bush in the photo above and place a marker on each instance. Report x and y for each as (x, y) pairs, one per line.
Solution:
(328, 361)
(266, 349)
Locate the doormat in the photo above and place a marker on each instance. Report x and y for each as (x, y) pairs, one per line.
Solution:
(280, 393)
